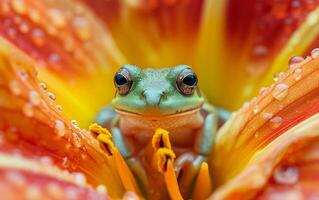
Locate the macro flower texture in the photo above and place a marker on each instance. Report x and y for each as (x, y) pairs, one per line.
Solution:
(256, 58)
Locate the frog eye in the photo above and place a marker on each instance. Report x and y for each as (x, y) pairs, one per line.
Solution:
(187, 82)
(123, 81)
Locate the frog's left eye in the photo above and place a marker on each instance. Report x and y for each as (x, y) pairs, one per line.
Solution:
(123, 81)
(187, 82)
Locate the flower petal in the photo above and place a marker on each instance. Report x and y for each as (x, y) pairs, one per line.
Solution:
(287, 168)
(32, 123)
(74, 51)
(20, 184)
(239, 54)
(263, 119)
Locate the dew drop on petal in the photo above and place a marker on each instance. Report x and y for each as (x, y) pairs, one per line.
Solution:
(129, 195)
(15, 87)
(101, 189)
(54, 191)
(315, 53)
(43, 86)
(280, 91)
(57, 17)
(276, 122)
(59, 127)
(298, 73)
(76, 141)
(34, 98)
(34, 16)
(15, 178)
(51, 96)
(59, 108)
(28, 109)
(266, 115)
(79, 178)
(65, 162)
(82, 27)
(19, 6)
(295, 60)
(33, 192)
(263, 91)
(37, 36)
(286, 175)
(256, 109)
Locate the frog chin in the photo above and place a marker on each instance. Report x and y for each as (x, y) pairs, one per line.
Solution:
(154, 114)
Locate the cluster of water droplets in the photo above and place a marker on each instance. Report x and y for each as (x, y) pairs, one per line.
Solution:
(280, 89)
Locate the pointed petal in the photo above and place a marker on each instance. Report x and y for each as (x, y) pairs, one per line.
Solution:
(263, 119)
(74, 51)
(32, 124)
(253, 40)
(287, 168)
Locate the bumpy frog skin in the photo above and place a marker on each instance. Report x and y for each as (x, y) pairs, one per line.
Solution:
(167, 98)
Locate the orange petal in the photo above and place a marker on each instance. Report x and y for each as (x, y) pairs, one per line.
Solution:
(241, 44)
(76, 54)
(32, 123)
(20, 184)
(266, 117)
(287, 168)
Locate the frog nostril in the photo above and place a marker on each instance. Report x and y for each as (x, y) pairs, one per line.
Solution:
(152, 98)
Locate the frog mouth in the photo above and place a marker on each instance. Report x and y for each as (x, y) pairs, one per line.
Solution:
(157, 115)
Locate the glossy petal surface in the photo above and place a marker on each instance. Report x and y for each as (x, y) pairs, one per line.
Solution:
(32, 126)
(260, 122)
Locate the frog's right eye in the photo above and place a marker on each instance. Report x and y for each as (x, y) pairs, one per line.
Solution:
(123, 81)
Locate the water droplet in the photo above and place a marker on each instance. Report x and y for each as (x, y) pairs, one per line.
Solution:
(34, 98)
(24, 27)
(33, 192)
(19, 6)
(82, 27)
(59, 108)
(51, 96)
(276, 122)
(295, 60)
(79, 178)
(286, 175)
(263, 91)
(256, 109)
(54, 191)
(298, 73)
(15, 178)
(46, 160)
(34, 16)
(43, 86)
(28, 110)
(57, 17)
(76, 141)
(129, 195)
(38, 36)
(315, 53)
(54, 58)
(65, 162)
(15, 87)
(101, 189)
(59, 127)
(280, 91)
(260, 50)
(266, 115)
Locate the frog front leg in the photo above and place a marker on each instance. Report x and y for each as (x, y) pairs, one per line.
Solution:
(108, 118)
(188, 164)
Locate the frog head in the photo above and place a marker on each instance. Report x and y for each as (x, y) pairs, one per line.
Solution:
(156, 92)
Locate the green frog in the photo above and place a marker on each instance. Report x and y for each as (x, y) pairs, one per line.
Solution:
(167, 98)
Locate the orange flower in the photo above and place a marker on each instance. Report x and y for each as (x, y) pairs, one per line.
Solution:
(57, 60)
